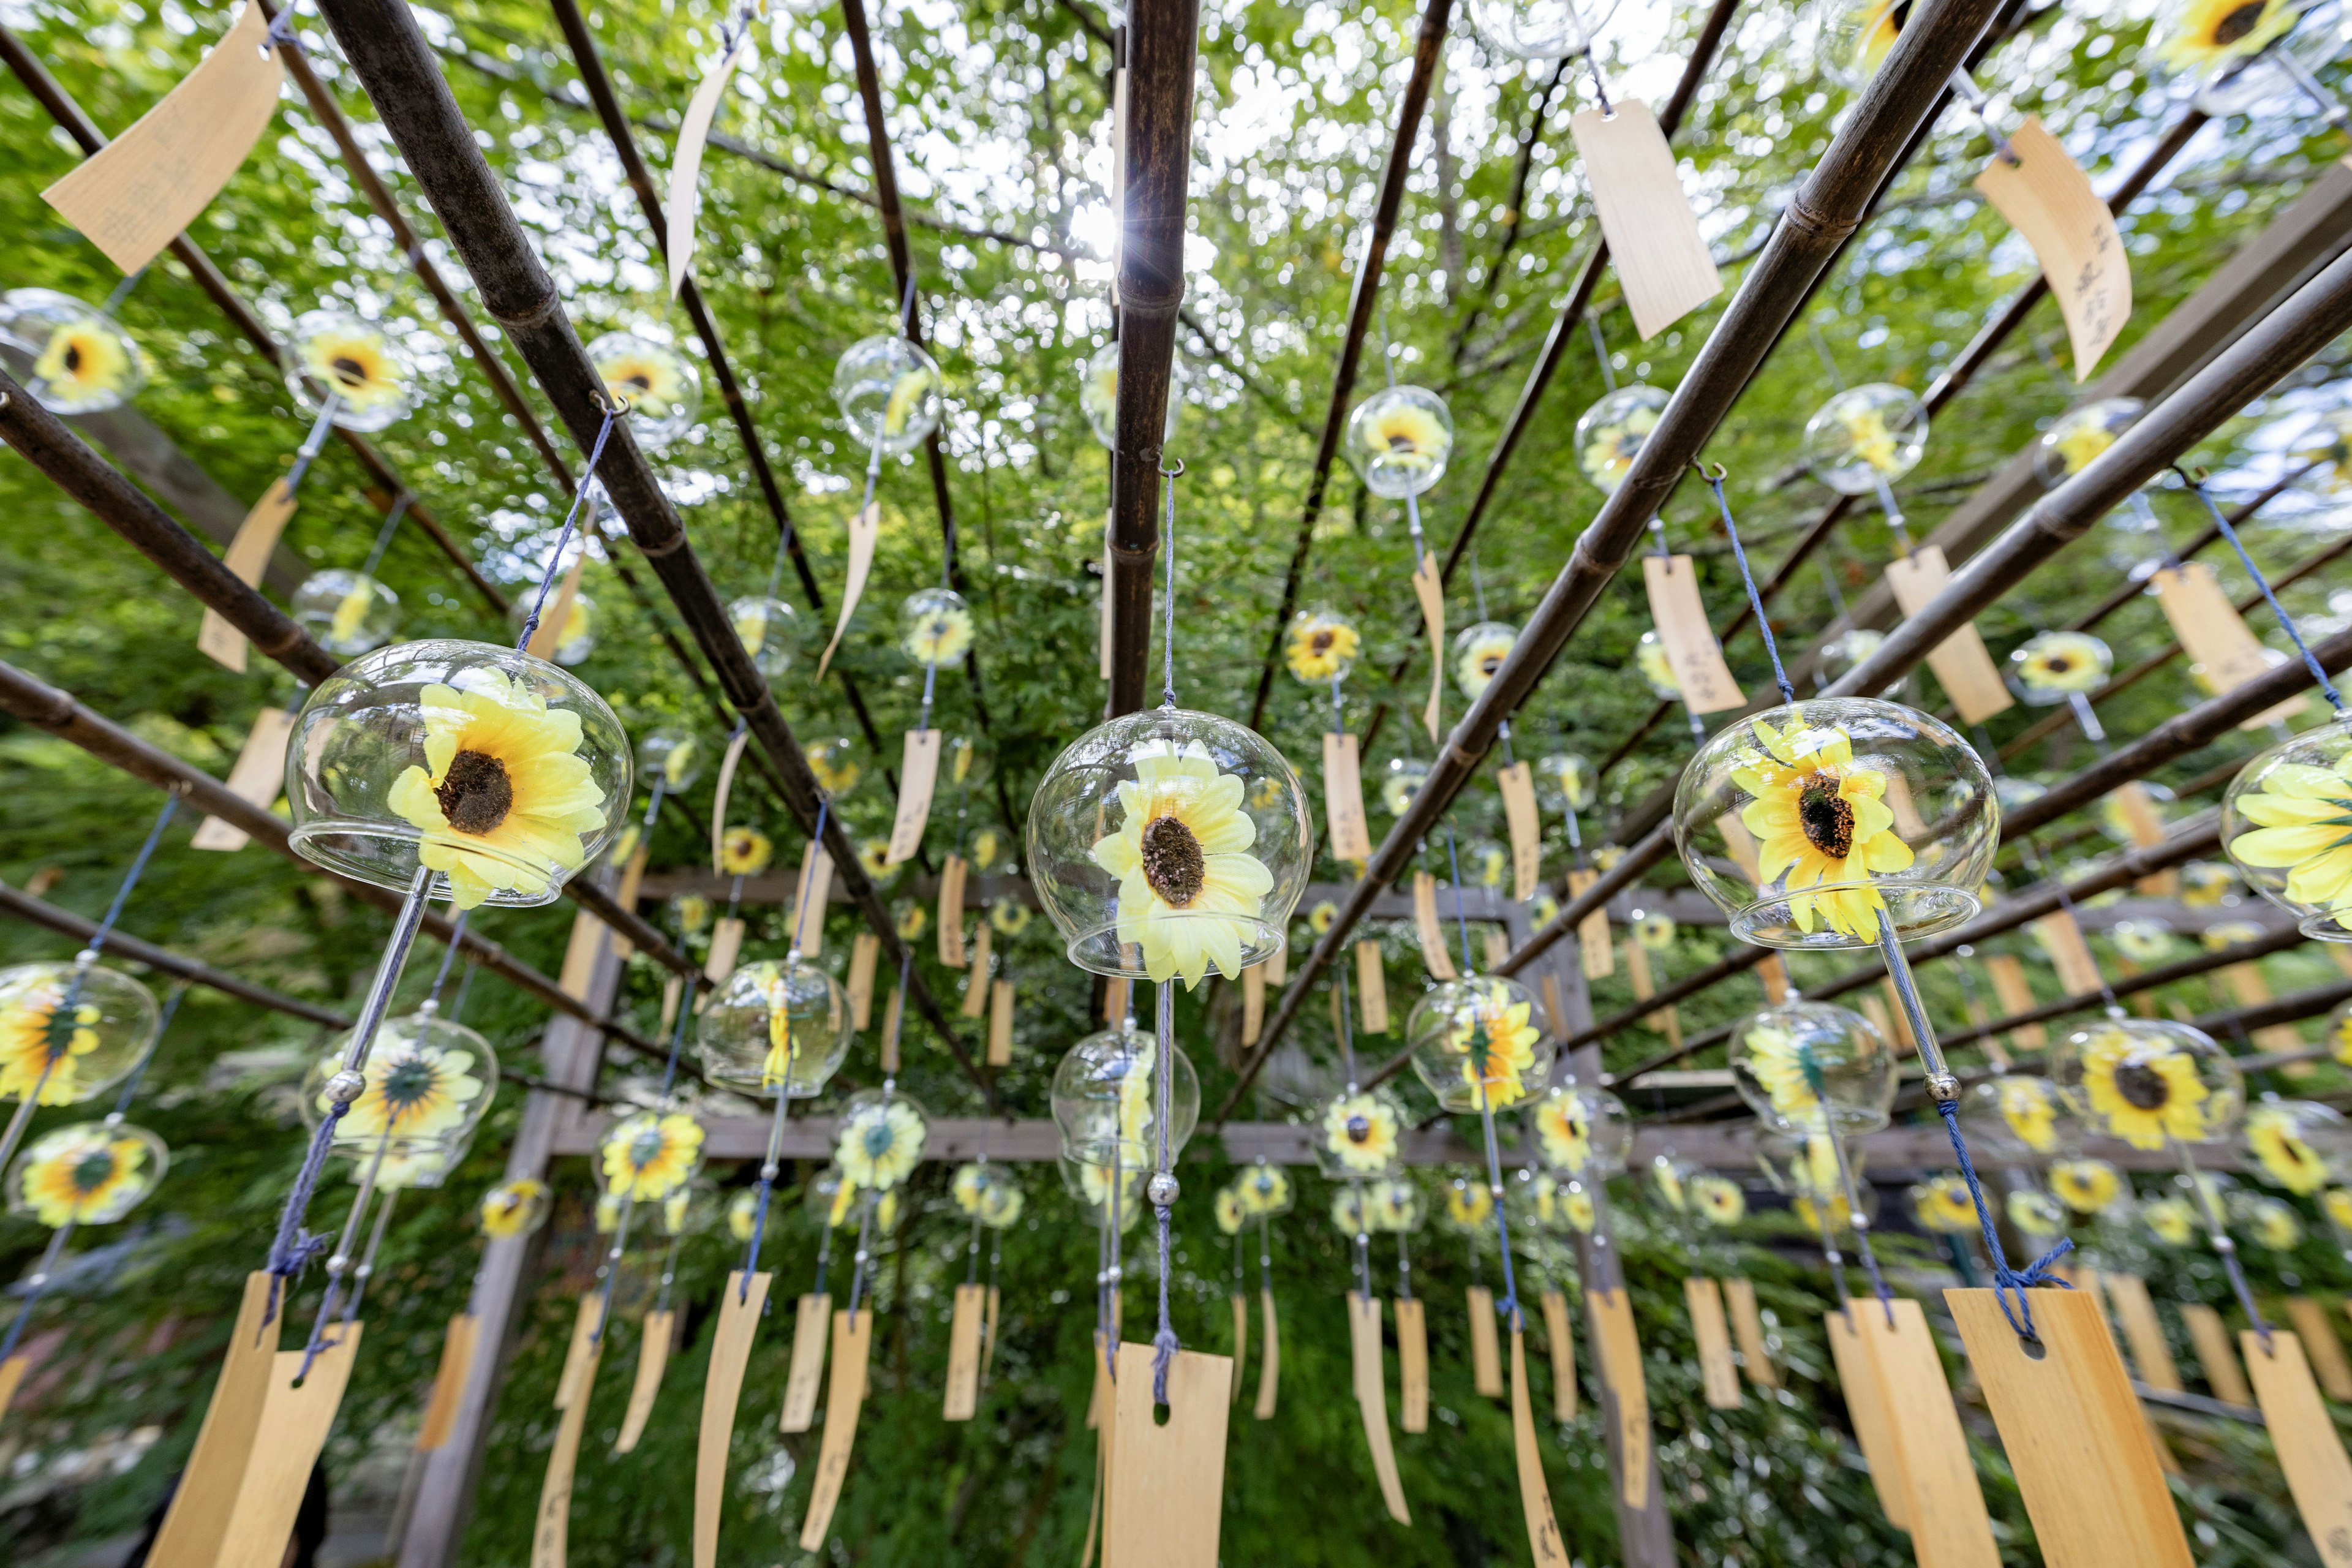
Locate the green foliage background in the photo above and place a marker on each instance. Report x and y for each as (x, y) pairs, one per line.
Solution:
(999, 115)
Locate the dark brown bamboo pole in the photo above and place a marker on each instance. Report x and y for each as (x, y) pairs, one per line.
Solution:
(402, 76)
(23, 906)
(1815, 223)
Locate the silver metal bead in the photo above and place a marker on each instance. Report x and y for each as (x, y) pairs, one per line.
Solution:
(2224, 1245)
(346, 1085)
(769, 1172)
(1860, 1223)
(1163, 1190)
(337, 1264)
(1944, 1087)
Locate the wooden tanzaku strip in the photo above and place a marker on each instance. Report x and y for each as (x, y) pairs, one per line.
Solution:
(448, 1382)
(1949, 1527)
(853, 1343)
(2304, 1434)
(2215, 1355)
(1371, 1387)
(1485, 1350)
(403, 76)
(1544, 1543)
(120, 945)
(38, 703)
(1412, 1364)
(740, 1308)
(551, 1531)
(1362, 298)
(197, 1520)
(1718, 1376)
(1561, 1340)
(653, 1356)
(962, 1397)
(1269, 1357)
(1747, 1329)
(1865, 1411)
(811, 1322)
(1164, 1501)
(2307, 322)
(295, 1419)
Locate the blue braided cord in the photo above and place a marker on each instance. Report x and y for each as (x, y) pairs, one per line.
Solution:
(613, 1264)
(2335, 698)
(293, 1247)
(2006, 1281)
(677, 1033)
(47, 1270)
(586, 487)
(857, 1264)
(281, 30)
(1755, 596)
(131, 878)
(1508, 1308)
(759, 1232)
(1164, 1343)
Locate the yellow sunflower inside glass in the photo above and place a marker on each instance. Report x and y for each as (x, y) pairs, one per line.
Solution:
(1009, 916)
(1361, 1132)
(1407, 436)
(880, 1143)
(913, 921)
(652, 1154)
(87, 1174)
(2030, 1110)
(2274, 1135)
(1564, 1128)
(2036, 1214)
(1650, 658)
(2274, 1225)
(2055, 665)
(1468, 1204)
(1882, 24)
(1784, 1067)
(504, 796)
(2202, 32)
(415, 1090)
(1666, 1180)
(1496, 1038)
(1319, 917)
(1189, 889)
(1609, 434)
(1228, 1207)
(2302, 826)
(514, 1208)
(2141, 1087)
(873, 857)
(1575, 1207)
(1941, 1203)
(907, 395)
(2172, 1221)
(935, 626)
(1478, 653)
(2336, 1202)
(1823, 826)
(1394, 1204)
(645, 376)
(356, 363)
(1718, 1200)
(34, 1040)
(1320, 648)
(835, 764)
(2086, 1186)
(744, 852)
(87, 365)
(1264, 1190)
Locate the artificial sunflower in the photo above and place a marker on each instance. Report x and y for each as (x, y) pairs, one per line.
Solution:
(2036, 1214)
(2336, 1204)
(2274, 1225)
(357, 363)
(1942, 1203)
(1495, 1038)
(879, 1144)
(1809, 1214)
(2204, 884)
(1650, 658)
(2142, 942)
(1476, 661)
(1820, 821)
(1882, 24)
(744, 852)
(1543, 909)
(2207, 32)
(1784, 1067)
(1869, 439)
(2079, 438)
(2226, 934)
(1001, 1205)
(1575, 1207)
(2276, 1139)
(1393, 1203)
(2142, 1088)
(415, 1090)
(351, 612)
(1490, 863)
(835, 764)
(913, 921)
(1468, 1204)
(1360, 1131)
(1405, 777)
(2339, 1038)
(1667, 1178)
(873, 857)
(749, 619)
(2303, 817)
(1319, 917)
(907, 395)
(983, 848)
(87, 365)
(1407, 436)
(90, 1174)
(1608, 454)
(2030, 1109)
(1348, 1211)
(652, 1154)
(1228, 1206)
(34, 1040)
(742, 1213)
(1718, 1200)
(1320, 648)
(1009, 916)
(1264, 1191)
(2062, 662)
(941, 635)
(971, 1186)
(2086, 1186)
(1564, 1127)
(2172, 1221)
(643, 375)
(504, 796)
(1189, 889)
(844, 1203)
(1654, 933)
(514, 1208)
(693, 911)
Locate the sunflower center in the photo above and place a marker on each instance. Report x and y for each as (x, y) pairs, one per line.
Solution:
(475, 794)
(1172, 862)
(1321, 641)
(638, 381)
(2143, 1088)
(2239, 23)
(73, 358)
(92, 1171)
(348, 371)
(1490, 663)
(1827, 819)
(407, 1085)
(2059, 664)
(1400, 442)
(1360, 1129)
(877, 1141)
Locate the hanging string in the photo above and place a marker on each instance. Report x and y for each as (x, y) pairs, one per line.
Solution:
(1835, 1258)
(1164, 1189)
(1715, 477)
(613, 412)
(2195, 482)
(1508, 1308)
(1601, 351)
(393, 514)
(773, 1165)
(1591, 62)
(2218, 1232)
(1860, 1221)
(123, 291)
(312, 444)
(366, 1269)
(1965, 87)
(1461, 920)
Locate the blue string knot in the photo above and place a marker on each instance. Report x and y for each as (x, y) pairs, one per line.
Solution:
(2006, 1281)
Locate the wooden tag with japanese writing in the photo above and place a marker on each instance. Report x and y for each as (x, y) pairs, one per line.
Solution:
(729, 761)
(257, 778)
(1719, 1375)
(864, 953)
(2215, 1355)
(1412, 1364)
(548, 635)
(295, 1418)
(1949, 1527)
(2009, 985)
(1748, 1332)
(1372, 1385)
(1959, 661)
(1430, 589)
(1597, 955)
(1252, 1004)
(739, 1307)
(919, 776)
(950, 912)
(975, 985)
(1269, 1359)
(1485, 1351)
(1343, 798)
(1000, 1023)
(448, 1382)
(653, 1357)
(1164, 1503)
(2304, 1437)
(2151, 1356)
(552, 1528)
(198, 1519)
(1555, 1005)
(1371, 988)
(1241, 1341)
(726, 947)
(134, 196)
(2077, 1440)
(582, 1352)
(853, 1342)
(2062, 943)
(2215, 637)
(1525, 825)
(1866, 1409)
(1534, 1495)
(248, 553)
(811, 1320)
(811, 888)
(1561, 1342)
(1432, 933)
(681, 205)
(963, 1353)
(1620, 1373)
(1707, 683)
(865, 528)
(2047, 198)
(2320, 1346)
(1663, 262)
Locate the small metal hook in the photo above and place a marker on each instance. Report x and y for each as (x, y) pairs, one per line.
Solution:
(1175, 473)
(1717, 477)
(619, 407)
